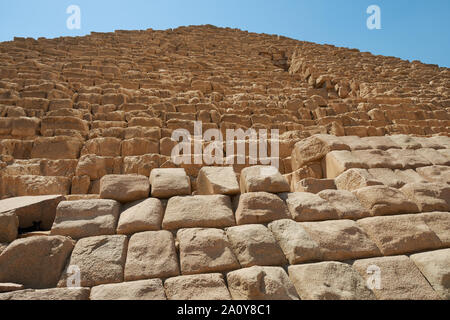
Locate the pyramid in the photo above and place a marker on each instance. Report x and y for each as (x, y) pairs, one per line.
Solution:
(214, 163)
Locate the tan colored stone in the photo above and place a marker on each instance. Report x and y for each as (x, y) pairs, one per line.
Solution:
(9, 226)
(387, 177)
(10, 287)
(312, 185)
(329, 281)
(198, 212)
(399, 279)
(197, 287)
(35, 262)
(166, 183)
(56, 148)
(429, 196)
(21, 186)
(100, 260)
(438, 174)
(345, 203)
(136, 290)
(400, 234)
(124, 188)
(260, 207)
(354, 179)
(86, 218)
(140, 216)
(263, 179)
(254, 245)
(205, 251)
(217, 180)
(382, 200)
(434, 265)
(151, 255)
(296, 243)
(261, 283)
(309, 207)
(439, 223)
(337, 162)
(105, 147)
(408, 158)
(436, 157)
(63, 294)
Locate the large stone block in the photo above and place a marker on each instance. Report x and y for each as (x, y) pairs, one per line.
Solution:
(197, 287)
(198, 212)
(439, 223)
(260, 207)
(355, 179)
(35, 262)
(263, 179)
(346, 204)
(337, 162)
(429, 196)
(86, 218)
(217, 180)
(124, 188)
(57, 294)
(309, 207)
(56, 148)
(135, 290)
(168, 183)
(9, 226)
(141, 216)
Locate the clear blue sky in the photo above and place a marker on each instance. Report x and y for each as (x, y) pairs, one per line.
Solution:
(411, 29)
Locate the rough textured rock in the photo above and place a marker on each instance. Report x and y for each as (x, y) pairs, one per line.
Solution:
(136, 290)
(296, 243)
(35, 262)
(399, 279)
(86, 218)
(434, 265)
(100, 260)
(48, 294)
(340, 240)
(261, 283)
(254, 245)
(151, 255)
(346, 204)
(312, 185)
(329, 281)
(217, 180)
(140, 216)
(9, 225)
(124, 188)
(439, 223)
(439, 174)
(198, 211)
(400, 234)
(33, 209)
(354, 179)
(309, 207)
(382, 200)
(263, 179)
(205, 251)
(337, 162)
(429, 196)
(166, 183)
(260, 207)
(197, 287)
(10, 287)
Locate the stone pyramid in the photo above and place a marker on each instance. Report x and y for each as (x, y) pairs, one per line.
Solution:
(346, 197)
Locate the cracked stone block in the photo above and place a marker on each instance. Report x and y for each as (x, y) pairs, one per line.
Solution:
(346, 204)
(197, 287)
(261, 283)
(329, 281)
(355, 179)
(205, 251)
(254, 245)
(100, 260)
(151, 255)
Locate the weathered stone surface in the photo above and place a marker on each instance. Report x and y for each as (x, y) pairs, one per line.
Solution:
(140, 216)
(400, 234)
(340, 240)
(429, 196)
(345, 203)
(48, 294)
(354, 179)
(197, 287)
(56, 148)
(124, 188)
(434, 265)
(438, 174)
(136, 290)
(29, 185)
(254, 245)
(329, 281)
(100, 260)
(260, 207)
(86, 218)
(205, 251)
(9, 225)
(436, 157)
(337, 162)
(399, 279)
(294, 240)
(217, 180)
(261, 283)
(166, 183)
(10, 287)
(263, 179)
(312, 185)
(32, 209)
(35, 262)
(382, 200)
(439, 223)
(198, 211)
(309, 207)
(151, 255)
(387, 177)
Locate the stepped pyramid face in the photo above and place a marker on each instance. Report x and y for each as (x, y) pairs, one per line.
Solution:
(256, 166)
